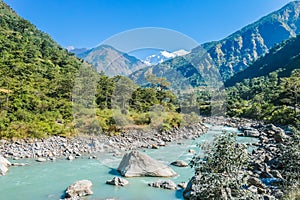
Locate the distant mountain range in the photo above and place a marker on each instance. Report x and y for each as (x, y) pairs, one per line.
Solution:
(114, 62)
(232, 54)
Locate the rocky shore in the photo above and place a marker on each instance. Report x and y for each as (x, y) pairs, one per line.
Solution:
(265, 168)
(60, 147)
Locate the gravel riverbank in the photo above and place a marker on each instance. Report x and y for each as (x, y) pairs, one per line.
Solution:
(60, 147)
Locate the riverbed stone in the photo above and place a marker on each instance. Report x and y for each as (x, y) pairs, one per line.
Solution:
(117, 181)
(41, 160)
(164, 184)
(18, 164)
(179, 163)
(136, 164)
(79, 189)
(251, 133)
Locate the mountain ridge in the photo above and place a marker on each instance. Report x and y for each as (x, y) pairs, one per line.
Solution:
(237, 51)
(284, 57)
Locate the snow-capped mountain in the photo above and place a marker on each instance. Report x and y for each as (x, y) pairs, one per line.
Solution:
(162, 56)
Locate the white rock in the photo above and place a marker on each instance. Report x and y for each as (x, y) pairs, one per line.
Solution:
(79, 189)
(41, 160)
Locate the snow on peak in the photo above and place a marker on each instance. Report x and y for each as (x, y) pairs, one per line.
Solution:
(162, 56)
(167, 54)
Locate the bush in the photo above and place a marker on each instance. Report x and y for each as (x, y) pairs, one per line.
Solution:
(221, 173)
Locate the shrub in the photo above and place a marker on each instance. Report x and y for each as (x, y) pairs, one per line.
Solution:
(221, 173)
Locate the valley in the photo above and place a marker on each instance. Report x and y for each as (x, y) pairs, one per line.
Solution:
(225, 116)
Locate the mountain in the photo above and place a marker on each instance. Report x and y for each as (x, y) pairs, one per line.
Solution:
(162, 56)
(284, 57)
(110, 60)
(232, 54)
(36, 80)
(269, 89)
(237, 51)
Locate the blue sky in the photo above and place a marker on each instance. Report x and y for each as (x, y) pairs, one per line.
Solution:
(86, 23)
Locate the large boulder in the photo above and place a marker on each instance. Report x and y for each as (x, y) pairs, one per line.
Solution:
(79, 189)
(4, 164)
(117, 181)
(136, 164)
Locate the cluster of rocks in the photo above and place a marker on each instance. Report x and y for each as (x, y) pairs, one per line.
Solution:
(264, 164)
(133, 164)
(117, 181)
(164, 184)
(229, 121)
(59, 147)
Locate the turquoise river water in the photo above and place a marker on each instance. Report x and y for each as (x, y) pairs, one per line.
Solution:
(48, 180)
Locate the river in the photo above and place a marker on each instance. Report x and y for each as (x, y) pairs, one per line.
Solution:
(48, 180)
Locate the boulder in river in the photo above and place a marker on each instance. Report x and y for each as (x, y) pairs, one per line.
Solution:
(136, 164)
(179, 163)
(79, 189)
(4, 164)
(164, 184)
(117, 181)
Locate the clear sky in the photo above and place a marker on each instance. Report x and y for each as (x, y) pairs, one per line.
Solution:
(86, 23)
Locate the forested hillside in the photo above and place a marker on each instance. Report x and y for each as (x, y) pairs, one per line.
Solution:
(270, 88)
(36, 80)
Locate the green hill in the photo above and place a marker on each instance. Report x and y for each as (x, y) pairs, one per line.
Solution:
(36, 79)
(270, 88)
